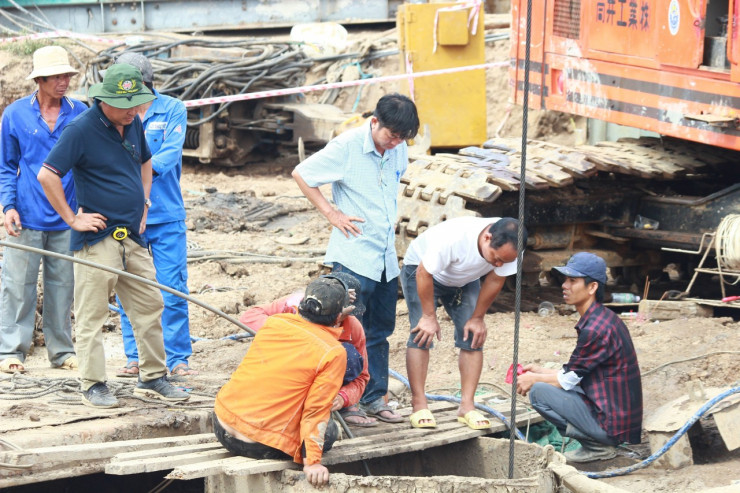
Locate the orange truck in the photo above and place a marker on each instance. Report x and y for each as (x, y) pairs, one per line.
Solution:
(669, 66)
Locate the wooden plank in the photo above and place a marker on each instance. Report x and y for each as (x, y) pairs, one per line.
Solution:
(210, 468)
(171, 452)
(163, 463)
(728, 424)
(672, 309)
(388, 441)
(106, 450)
(260, 466)
(52, 463)
(20, 477)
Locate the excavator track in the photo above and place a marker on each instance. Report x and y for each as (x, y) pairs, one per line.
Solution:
(590, 196)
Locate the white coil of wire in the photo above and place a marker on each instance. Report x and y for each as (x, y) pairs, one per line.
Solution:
(728, 242)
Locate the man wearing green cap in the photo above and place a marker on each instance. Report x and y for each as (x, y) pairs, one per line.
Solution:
(106, 150)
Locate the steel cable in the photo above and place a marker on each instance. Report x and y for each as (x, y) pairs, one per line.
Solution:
(520, 233)
(130, 276)
(261, 66)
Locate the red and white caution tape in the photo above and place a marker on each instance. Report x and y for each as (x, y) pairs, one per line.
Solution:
(60, 34)
(336, 85)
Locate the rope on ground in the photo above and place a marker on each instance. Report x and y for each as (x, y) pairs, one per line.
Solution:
(21, 385)
(70, 390)
(641, 465)
(449, 398)
(687, 359)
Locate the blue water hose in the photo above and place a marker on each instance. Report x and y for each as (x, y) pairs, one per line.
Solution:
(449, 398)
(640, 465)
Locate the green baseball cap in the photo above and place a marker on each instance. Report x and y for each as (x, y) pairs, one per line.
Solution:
(122, 87)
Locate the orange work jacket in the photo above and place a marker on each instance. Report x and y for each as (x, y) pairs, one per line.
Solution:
(352, 332)
(281, 394)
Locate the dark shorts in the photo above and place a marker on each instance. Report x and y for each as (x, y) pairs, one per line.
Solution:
(459, 303)
(260, 451)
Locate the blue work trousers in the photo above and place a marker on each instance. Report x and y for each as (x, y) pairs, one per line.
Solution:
(379, 321)
(18, 296)
(168, 244)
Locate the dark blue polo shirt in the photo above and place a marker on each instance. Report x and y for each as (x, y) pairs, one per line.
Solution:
(106, 171)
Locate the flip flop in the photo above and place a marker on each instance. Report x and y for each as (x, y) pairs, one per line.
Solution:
(131, 370)
(472, 418)
(355, 411)
(422, 415)
(70, 363)
(5, 366)
(375, 413)
(182, 370)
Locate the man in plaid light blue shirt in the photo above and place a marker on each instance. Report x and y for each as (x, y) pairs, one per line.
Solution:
(364, 166)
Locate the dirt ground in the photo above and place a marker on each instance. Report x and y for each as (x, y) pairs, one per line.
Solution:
(253, 237)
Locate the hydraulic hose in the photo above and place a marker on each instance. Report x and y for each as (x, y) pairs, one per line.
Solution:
(641, 465)
(449, 398)
(130, 276)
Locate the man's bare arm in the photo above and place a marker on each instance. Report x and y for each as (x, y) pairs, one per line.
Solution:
(338, 219)
(52, 185)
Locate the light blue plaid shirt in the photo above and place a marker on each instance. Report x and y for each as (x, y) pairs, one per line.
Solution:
(364, 184)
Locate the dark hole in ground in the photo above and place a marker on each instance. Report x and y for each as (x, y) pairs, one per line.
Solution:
(707, 445)
(105, 483)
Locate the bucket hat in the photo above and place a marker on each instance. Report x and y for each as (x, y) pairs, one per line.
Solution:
(51, 60)
(122, 87)
(585, 264)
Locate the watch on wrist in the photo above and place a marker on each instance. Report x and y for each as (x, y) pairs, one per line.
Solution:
(148, 203)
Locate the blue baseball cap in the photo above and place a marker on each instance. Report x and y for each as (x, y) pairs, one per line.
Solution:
(584, 264)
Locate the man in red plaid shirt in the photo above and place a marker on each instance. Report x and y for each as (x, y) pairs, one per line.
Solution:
(596, 397)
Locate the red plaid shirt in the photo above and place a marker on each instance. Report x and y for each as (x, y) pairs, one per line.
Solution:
(605, 359)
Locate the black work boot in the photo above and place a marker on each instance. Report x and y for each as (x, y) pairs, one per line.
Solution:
(590, 451)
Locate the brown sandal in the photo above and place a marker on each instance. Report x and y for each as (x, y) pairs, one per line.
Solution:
(131, 370)
(182, 370)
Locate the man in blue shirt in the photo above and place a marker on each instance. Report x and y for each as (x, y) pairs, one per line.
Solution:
(364, 166)
(164, 120)
(30, 128)
(106, 151)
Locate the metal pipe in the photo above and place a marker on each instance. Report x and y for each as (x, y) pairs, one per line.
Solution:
(339, 418)
(131, 276)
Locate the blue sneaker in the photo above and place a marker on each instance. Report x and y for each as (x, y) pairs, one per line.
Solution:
(99, 396)
(160, 388)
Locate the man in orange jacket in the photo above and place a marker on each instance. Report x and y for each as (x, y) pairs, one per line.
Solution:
(352, 338)
(277, 404)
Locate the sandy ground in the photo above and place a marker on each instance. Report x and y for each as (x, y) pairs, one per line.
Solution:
(232, 287)
(280, 250)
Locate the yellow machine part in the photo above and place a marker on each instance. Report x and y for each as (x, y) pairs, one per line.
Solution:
(452, 105)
